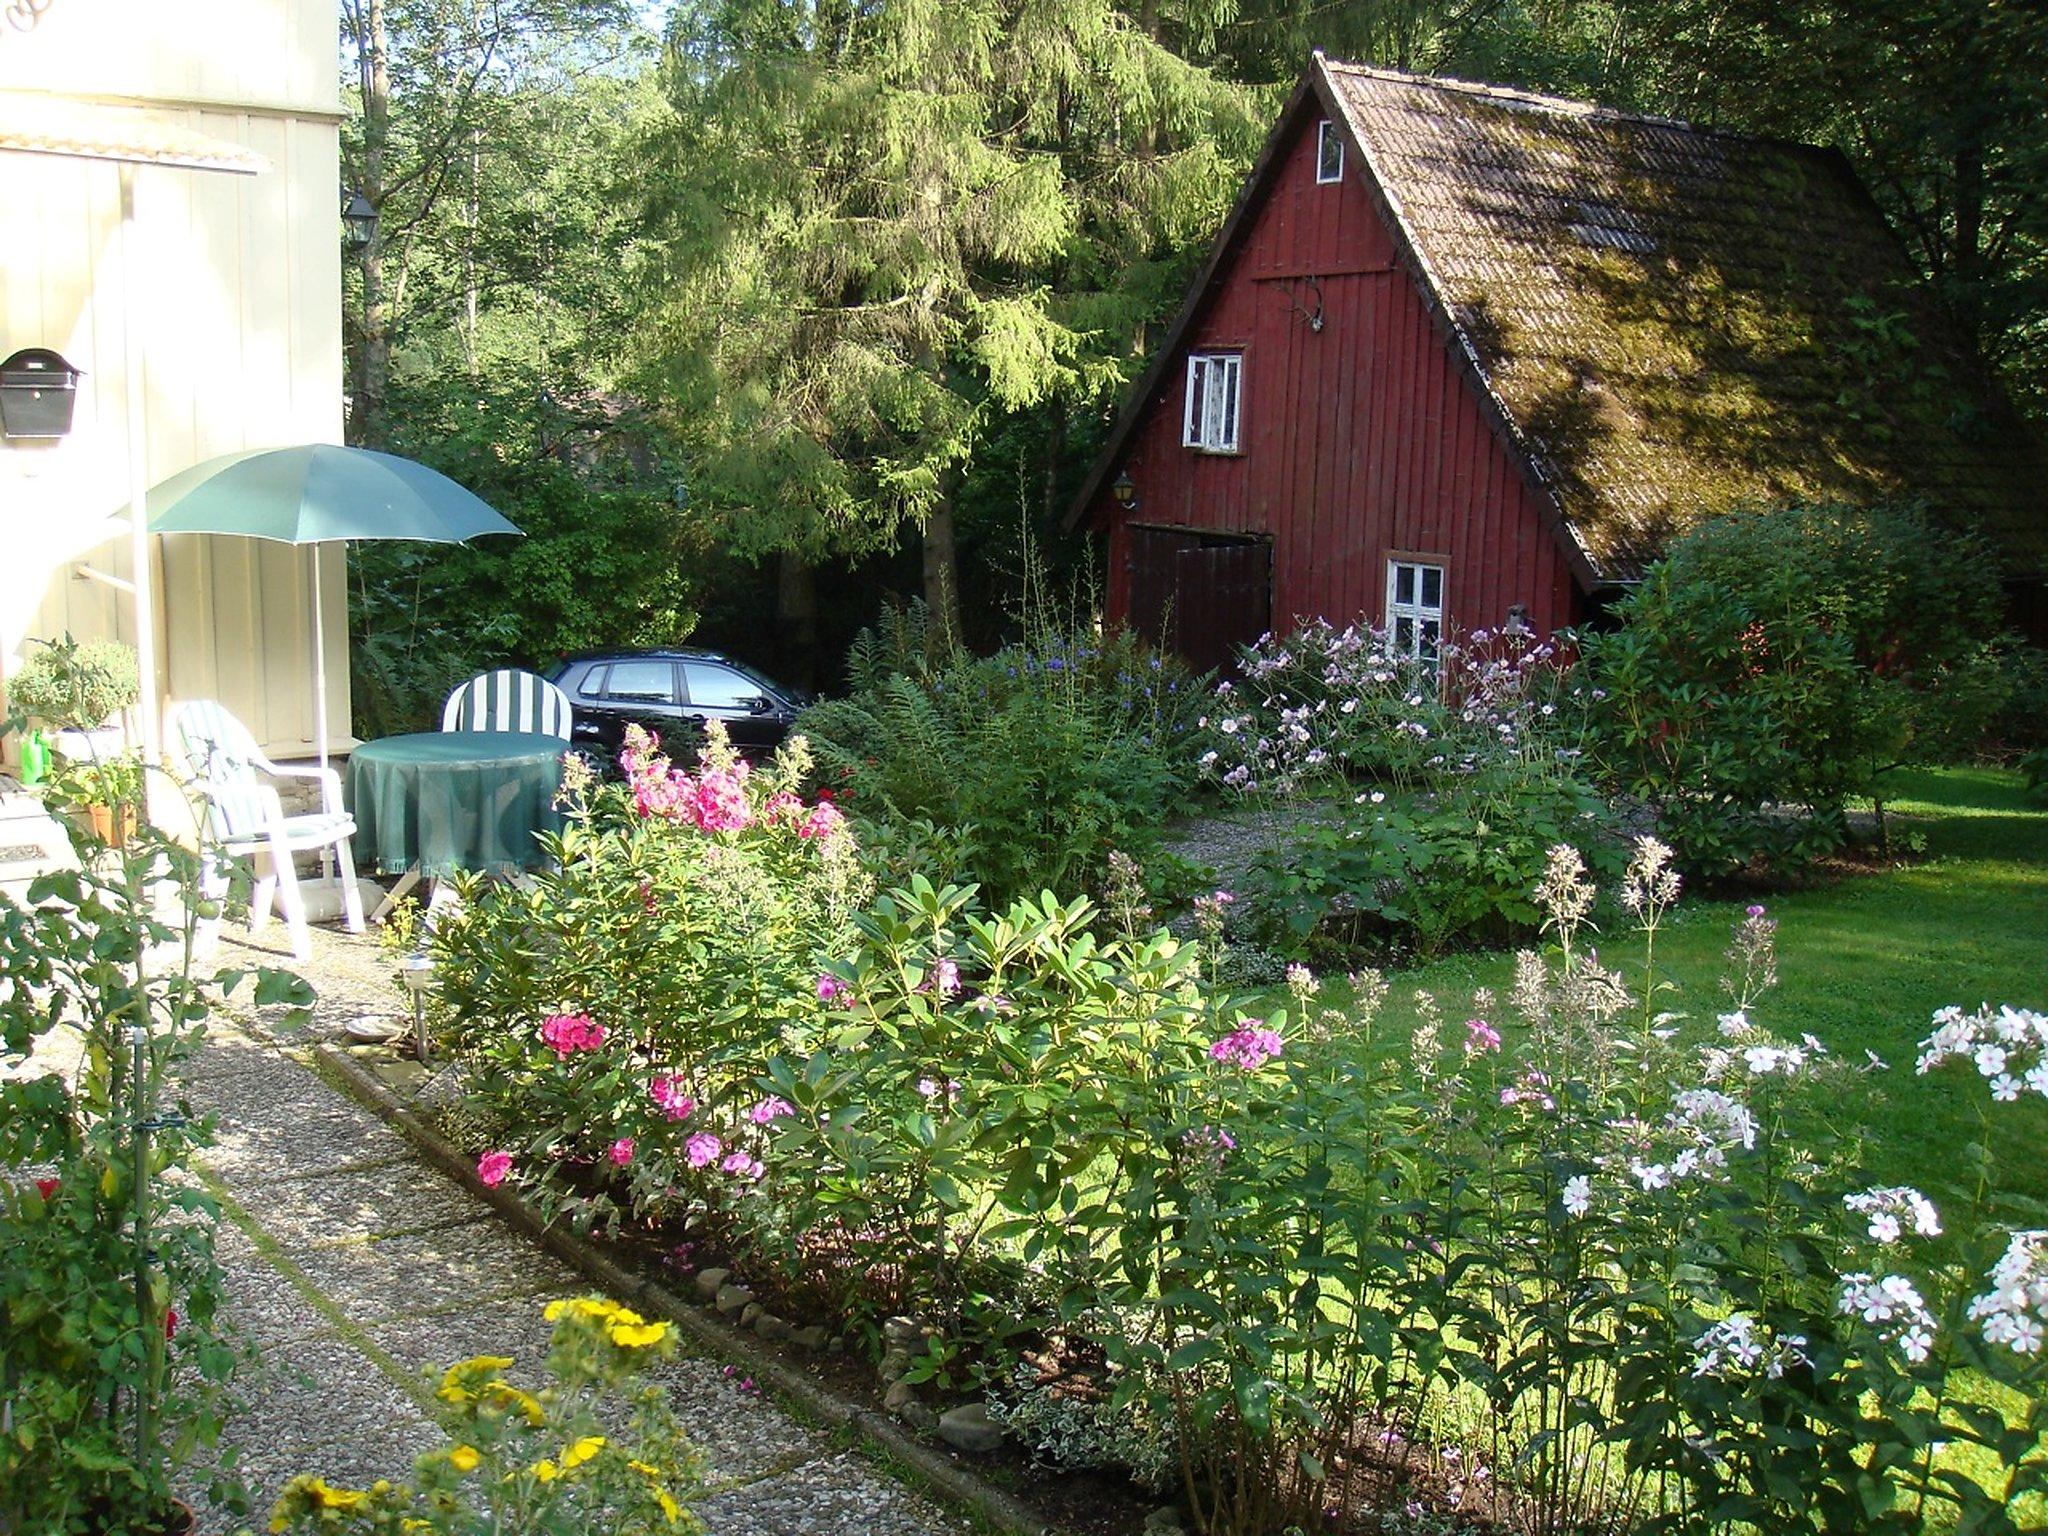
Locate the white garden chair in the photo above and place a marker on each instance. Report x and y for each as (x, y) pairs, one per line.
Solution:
(508, 701)
(245, 819)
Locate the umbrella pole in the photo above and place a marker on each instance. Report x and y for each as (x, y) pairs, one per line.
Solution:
(144, 574)
(320, 695)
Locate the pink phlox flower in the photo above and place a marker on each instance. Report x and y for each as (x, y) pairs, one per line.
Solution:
(770, 1108)
(702, 1149)
(782, 806)
(493, 1166)
(832, 990)
(823, 824)
(1247, 1049)
(741, 1164)
(720, 801)
(671, 1096)
(622, 1151)
(1480, 1036)
(1210, 1143)
(567, 1033)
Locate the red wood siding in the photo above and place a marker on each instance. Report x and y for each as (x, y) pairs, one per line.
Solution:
(1358, 441)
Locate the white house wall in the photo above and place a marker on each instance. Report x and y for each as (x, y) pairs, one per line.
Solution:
(236, 288)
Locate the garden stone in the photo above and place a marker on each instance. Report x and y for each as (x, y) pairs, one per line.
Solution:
(918, 1417)
(899, 1393)
(813, 1338)
(771, 1327)
(894, 1364)
(1164, 1521)
(904, 1331)
(969, 1428)
(709, 1282)
(750, 1312)
(837, 1346)
(733, 1299)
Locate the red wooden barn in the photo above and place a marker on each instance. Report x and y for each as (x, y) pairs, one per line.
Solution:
(1463, 354)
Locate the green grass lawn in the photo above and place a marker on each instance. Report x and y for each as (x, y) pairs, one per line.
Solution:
(1864, 959)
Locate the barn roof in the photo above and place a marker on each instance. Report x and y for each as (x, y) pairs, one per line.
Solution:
(1668, 320)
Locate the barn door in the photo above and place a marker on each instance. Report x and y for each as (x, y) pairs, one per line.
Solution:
(1200, 596)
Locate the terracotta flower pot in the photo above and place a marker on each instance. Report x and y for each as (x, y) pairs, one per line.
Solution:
(113, 825)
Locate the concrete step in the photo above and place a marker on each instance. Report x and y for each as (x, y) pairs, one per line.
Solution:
(32, 841)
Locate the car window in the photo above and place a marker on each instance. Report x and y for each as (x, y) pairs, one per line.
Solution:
(593, 683)
(643, 682)
(716, 687)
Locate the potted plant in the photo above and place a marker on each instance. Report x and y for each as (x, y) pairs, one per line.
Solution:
(105, 792)
(74, 688)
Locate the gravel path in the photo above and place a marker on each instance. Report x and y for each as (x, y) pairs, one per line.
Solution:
(353, 1269)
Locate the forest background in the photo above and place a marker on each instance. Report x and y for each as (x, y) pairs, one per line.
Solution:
(755, 312)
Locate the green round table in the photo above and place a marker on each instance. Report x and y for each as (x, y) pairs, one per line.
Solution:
(440, 801)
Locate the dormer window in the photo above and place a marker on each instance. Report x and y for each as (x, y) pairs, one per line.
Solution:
(1329, 153)
(1210, 423)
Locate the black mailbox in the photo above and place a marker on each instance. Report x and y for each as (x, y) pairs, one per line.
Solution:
(37, 390)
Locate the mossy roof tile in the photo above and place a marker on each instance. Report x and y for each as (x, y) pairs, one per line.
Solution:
(1676, 320)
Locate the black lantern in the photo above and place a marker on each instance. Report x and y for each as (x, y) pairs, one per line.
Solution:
(359, 219)
(37, 391)
(1125, 490)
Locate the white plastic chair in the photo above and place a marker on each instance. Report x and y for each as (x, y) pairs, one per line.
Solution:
(246, 818)
(508, 701)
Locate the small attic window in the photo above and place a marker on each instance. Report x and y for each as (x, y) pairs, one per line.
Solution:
(1608, 227)
(1329, 153)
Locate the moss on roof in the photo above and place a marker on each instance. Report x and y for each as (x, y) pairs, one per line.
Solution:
(1679, 321)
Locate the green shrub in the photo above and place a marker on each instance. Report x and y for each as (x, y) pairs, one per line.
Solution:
(1412, 803)
(1028, 765)
(113, 1361)
(75, 686)
(1776, 665)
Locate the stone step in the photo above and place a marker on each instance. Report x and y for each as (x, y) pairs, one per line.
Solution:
(32, 842)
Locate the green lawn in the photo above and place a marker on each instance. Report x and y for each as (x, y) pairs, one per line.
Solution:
(1865, 959)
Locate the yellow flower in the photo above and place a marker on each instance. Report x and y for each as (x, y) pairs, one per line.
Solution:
(582, 1451)
(669, 1506)
(546, 1470)
(504, 1392)
(464, 1458)
(588, 1306)
(455, 1381)
(334, 1498)
(637, 1334)
(280, 1522)
(644, 1469)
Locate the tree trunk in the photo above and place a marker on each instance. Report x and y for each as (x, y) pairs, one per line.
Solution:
(942, 566)
(373, 359)
(796, 619)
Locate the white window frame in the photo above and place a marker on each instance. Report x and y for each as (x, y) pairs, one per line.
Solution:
(1415, 628)
(1215, 402)
(1326, 135)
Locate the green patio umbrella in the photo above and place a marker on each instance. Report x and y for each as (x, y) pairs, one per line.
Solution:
(316, 494)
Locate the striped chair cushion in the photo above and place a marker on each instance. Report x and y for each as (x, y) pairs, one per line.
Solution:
(508, 701)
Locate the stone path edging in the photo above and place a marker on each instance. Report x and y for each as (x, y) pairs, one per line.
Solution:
(944, 1475)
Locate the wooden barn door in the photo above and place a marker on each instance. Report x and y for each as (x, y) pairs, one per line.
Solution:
(1200, 596)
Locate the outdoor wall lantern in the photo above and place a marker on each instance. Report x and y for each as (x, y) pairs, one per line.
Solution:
(1125, 490)
(37, 392)
(358, 218)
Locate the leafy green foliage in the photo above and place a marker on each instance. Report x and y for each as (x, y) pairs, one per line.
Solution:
(1027, 766)
(73, 686)
(608, 557)
(1775, 665)
(112, 1358)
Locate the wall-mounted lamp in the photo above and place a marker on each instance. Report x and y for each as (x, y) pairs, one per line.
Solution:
(358, 218)
(1125, 490)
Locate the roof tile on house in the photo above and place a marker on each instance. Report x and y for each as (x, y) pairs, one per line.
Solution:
(1677, 321)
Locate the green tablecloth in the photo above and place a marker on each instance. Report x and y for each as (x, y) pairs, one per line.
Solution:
(447, 800)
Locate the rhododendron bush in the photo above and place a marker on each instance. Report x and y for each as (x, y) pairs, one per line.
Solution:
(1570, 1261)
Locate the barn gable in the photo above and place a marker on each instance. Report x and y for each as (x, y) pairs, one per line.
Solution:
(1525, 339)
